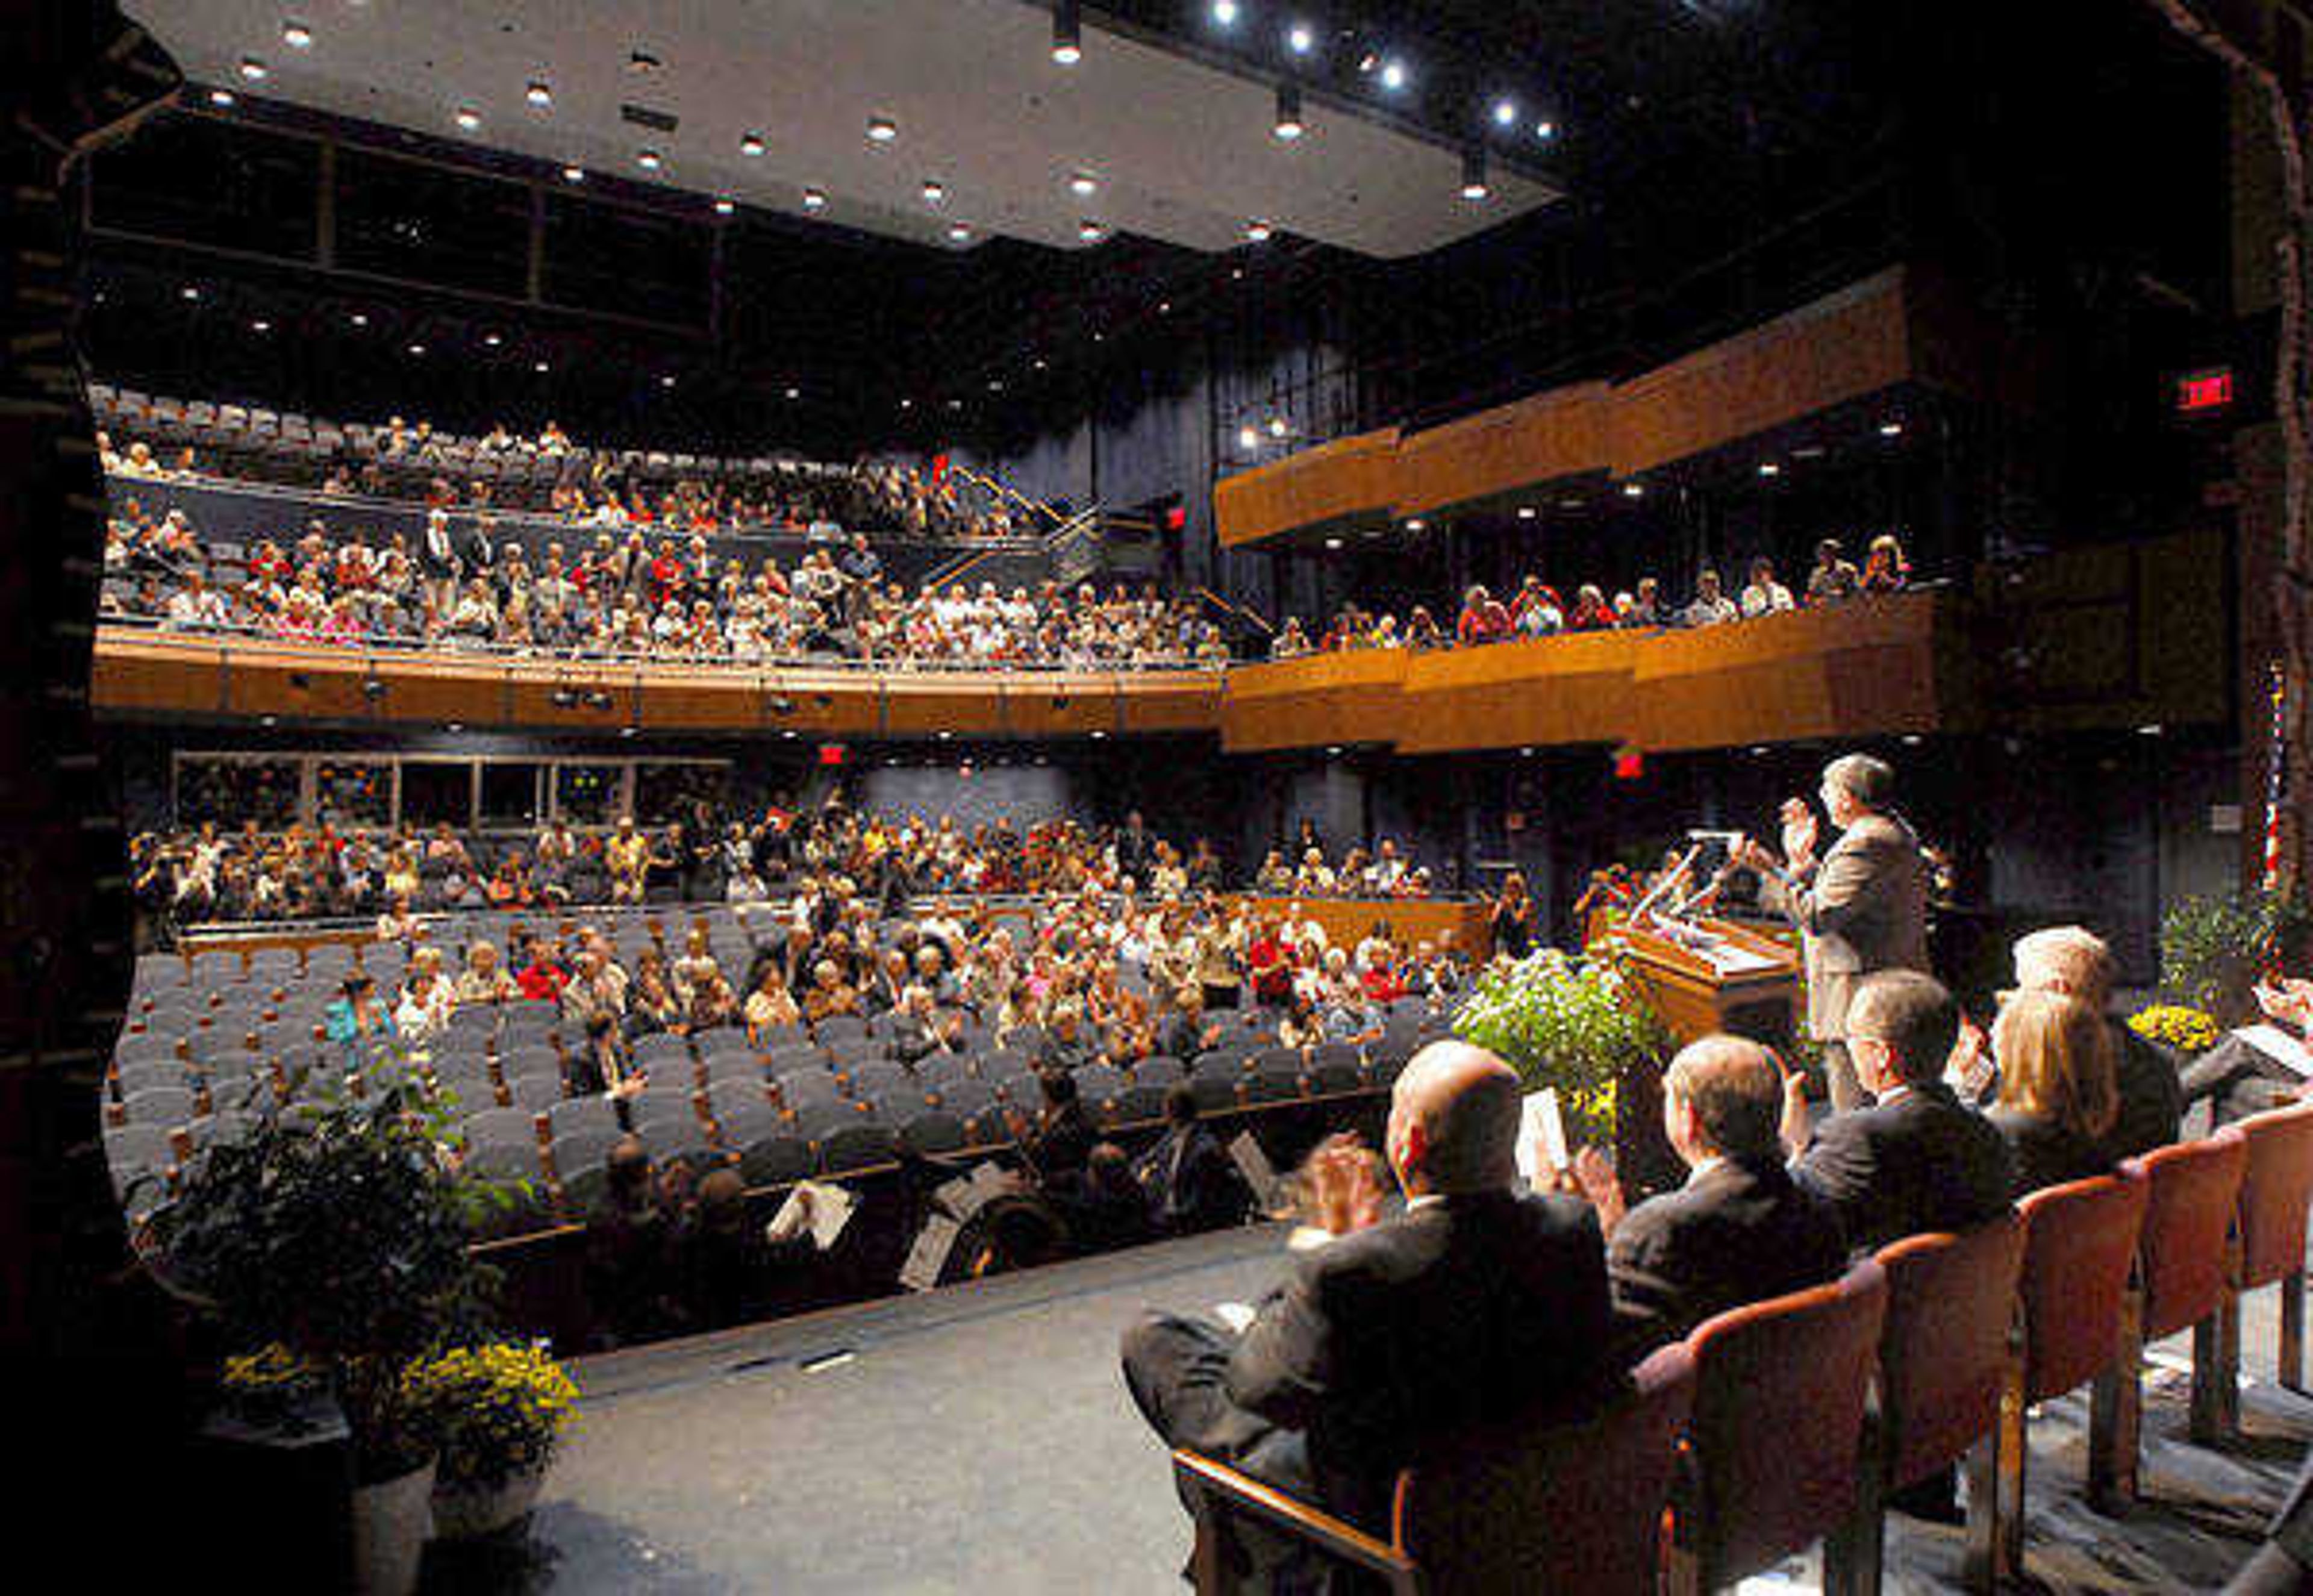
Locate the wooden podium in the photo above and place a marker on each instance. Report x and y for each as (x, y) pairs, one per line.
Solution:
(1727, 979)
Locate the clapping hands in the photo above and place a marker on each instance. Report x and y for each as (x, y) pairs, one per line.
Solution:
(1343, 1189)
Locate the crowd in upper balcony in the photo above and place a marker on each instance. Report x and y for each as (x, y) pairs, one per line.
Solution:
(547, 474)
(1538, 610)
(624, 595)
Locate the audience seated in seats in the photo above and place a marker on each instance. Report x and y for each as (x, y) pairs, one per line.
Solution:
(1740, 1230)
(360, 1020)
(631, 1242)
(1058, 1143)
(1484, 620)
(1917, 1159)
(2239, 1078)
(1833, 576)
(2057, 1101)
(733, 1270)
(1191, 1183)
(1394, 1333)
(2074, 961)
(1765, 595)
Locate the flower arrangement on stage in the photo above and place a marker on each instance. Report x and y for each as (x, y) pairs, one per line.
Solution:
(1569, 1024)
(2214, 949)
(503, 1410)
(2186, 1029)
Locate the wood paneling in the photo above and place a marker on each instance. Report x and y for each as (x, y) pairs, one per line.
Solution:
(1564, 433)
(1344, 481)
(1316, 700)
(1412, 920)
(1567, 690)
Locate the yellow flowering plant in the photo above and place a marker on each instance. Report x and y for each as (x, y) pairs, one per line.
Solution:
(500, 1409)
(1567, 1023)
(2176, 1025)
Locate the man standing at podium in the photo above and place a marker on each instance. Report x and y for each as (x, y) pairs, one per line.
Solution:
(1861, 907)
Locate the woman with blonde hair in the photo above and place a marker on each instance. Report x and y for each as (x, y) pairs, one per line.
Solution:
(2057, 1096)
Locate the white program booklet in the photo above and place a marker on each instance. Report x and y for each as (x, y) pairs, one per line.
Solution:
(832, 1207)
(1541, 1137)
(1258, 1171)
(928, 1256)
(1235, 1315)
(2279, 1045)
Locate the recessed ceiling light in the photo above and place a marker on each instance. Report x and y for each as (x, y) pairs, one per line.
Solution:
(1163, 307)
(1527, 512)
(667, 381)
(649, 160)
(1300, 39)
(1332, 542)
(221, 98)
(1392, 74)
(1067, 33)
(1634, 490)
(907, 404)
(1891, 429)
(881, 130)
(1259, 231)
(1225, 14)
(723, 207)
(252, 70)
(955, 404)
(1247, 438)
(1505, 112)
(794, 393)
(359, 319)
(958, 232)
(417, 348)
(1288, 125)
(1278, 427)
(1090, 231)
(1545, 131)
(1038, 363)
(573, 174)
(467, 117)
(934, 191)
(1474, 175)
(814, 200)
(297, 36)
(541, 367)
(1415, 524)
(751, 143)
(493, 339)
(538, 94)
(189, 292)
(1099, 736)
(1084, 185)
(260, 324)
(1768, 468)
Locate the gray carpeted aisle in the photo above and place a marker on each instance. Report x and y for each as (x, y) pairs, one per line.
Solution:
(979, 1442)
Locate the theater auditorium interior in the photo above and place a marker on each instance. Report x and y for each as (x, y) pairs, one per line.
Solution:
(1008, 795)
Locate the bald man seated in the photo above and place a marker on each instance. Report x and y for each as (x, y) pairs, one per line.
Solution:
(1740, 1230)
(1477, 1303)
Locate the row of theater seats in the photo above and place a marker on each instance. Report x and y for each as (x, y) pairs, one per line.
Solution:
(1787, 1422)
(299, 450)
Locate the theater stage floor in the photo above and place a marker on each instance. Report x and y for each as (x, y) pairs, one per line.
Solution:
(980, 1441)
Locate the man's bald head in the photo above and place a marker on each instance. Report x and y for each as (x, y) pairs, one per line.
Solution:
(1454, 1121)
(1734, 1091)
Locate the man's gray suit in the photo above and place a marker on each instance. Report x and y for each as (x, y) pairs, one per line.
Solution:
(1862, 908)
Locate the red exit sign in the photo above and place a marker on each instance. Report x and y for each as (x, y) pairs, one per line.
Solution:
(2200, 392)
(833, 754)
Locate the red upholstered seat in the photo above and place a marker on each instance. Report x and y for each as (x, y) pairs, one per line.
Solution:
(2193, 1191)
(2276, 1197)
(1951, 1306)
(1780, 1393)
(2080, 1246)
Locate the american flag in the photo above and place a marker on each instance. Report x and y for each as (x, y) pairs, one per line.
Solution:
(2276, 779)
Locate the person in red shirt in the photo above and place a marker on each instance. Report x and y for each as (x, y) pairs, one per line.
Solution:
(1381, 983)
(1269, 958)
(541, 979)
(1483, 619)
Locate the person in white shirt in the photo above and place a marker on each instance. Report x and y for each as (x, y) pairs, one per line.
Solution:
(426, 1003)
(1765, 595)
(1710, 607)
(195, 605)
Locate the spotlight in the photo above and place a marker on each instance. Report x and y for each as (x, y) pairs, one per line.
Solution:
(1225, 14)
(814, 200)
(573, 174)
(723, 207)
(1257, 231)
(252, 70)
(1067, 33)
(1300, 39)
(1289, 126)
(1392, 74)
(468, 118)
(881, 130)
(958, 233)
(1545, 131)
(221, 98)
(538, 94)
(649, 160)
(1247, 438)
(1278, 427)
(1084, 185)
(1090, 231)
(751, 143)
(493, 339)
(1474, 175)
(297, 36)
(1505, 112)
(934, 191)
(1634, 490)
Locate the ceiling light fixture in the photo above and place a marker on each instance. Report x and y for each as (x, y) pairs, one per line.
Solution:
(417, 348)
(221, 98)
(188, 293)
(751, 143)
(1416, 524)
(1279, 427)
(1067, 33)
(359, 319)
(649, 160)
(958, 233)
(493, 339)
(1332, 543)
(934, 191)
(1891, 429)
(667, 381)
(1090, 231)
(1634, 490)
(1084, 185)
(1247, 438)
(814, 200)
(794, 393)
(260, 324)
(1392, 74)
(881, 130)
(468, 118)
(541, 368)
(252, 70)
(1257, 231)
(1225, 14)
(538, 94)
(1289, 124)
(1474, 175)
(1545, 131)
(1768, 468)
(1505, 112)
(573, 174)
(724, 206)
(1527, 512)
(297, 36)
(1300, 39)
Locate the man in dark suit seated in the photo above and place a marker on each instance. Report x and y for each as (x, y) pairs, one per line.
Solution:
(1476, 1303)
(1191, 1183)
(2239, 1078)
(1740, 1230)
(1917, 1159)
(2075, 962)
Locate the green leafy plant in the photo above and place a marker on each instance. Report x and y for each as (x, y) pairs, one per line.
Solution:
(333, 1235)
(2212, 948)
(1570, 1023)
(503, 1408)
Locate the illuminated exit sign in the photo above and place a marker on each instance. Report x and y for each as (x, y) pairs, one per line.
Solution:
(2198, 393)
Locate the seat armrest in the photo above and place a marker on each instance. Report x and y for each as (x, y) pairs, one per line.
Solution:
(1220, 1490)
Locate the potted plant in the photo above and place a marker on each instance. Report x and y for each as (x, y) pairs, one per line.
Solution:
(333, 1235)
(2213, 949)
(504, 1407)
(1571, 1023)
(2183, 1032)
